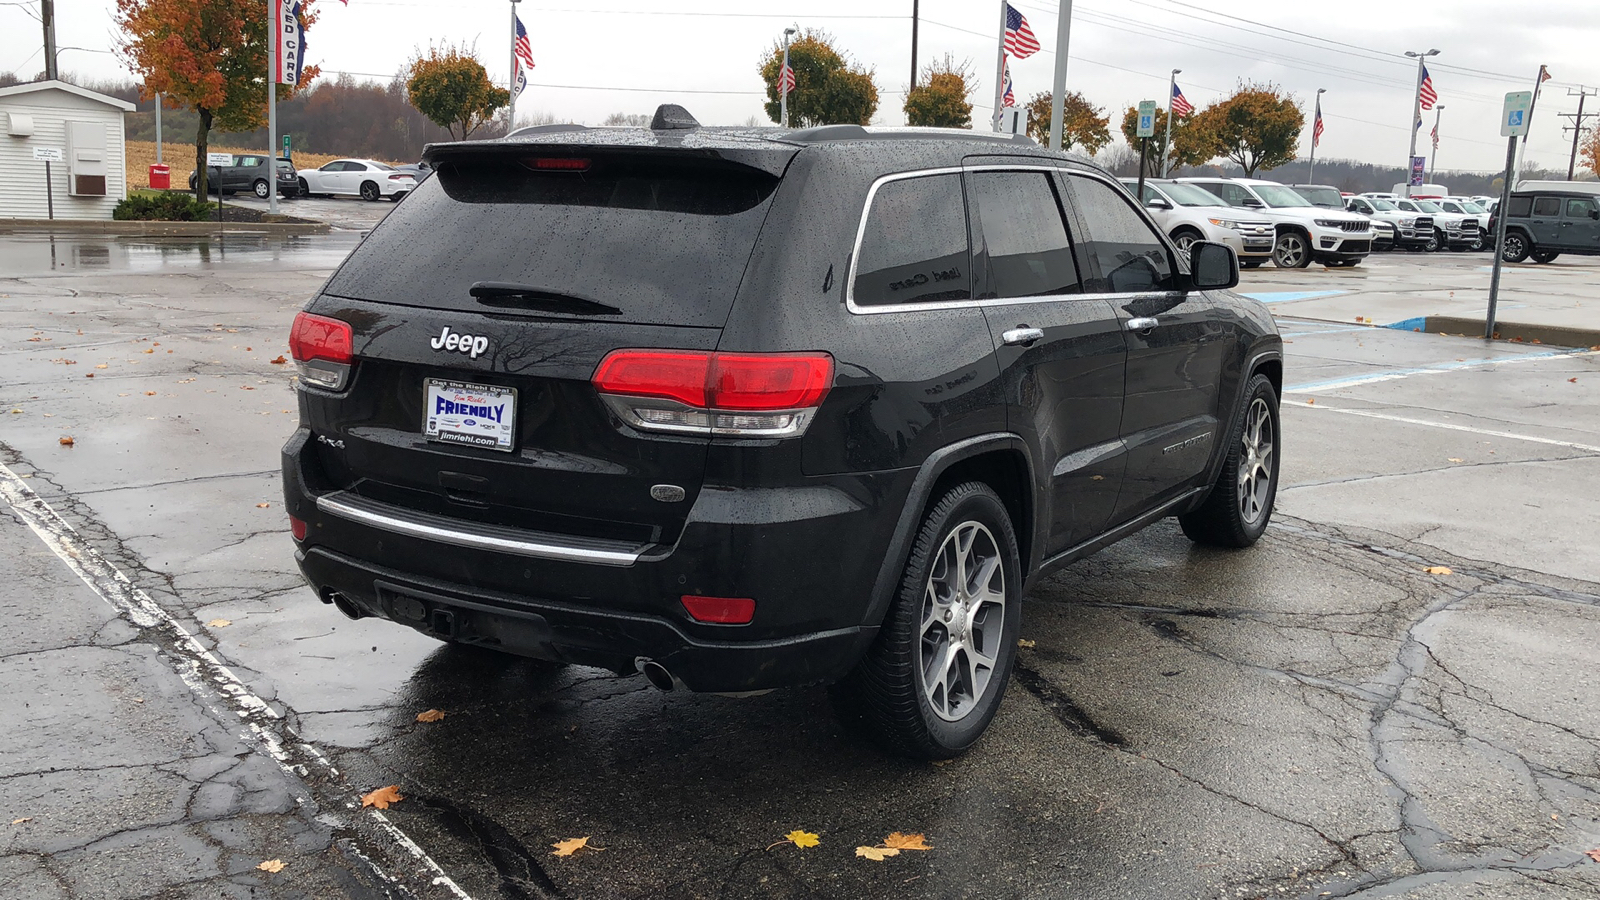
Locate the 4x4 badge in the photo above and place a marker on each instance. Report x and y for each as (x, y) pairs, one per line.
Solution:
(472, 345)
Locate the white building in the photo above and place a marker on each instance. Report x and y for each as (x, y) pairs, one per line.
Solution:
(47, 118)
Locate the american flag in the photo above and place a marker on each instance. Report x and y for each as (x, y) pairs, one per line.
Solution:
(1436, 138)
(523, 50)
(520, 84)
(1180, 104)
(786, 80)
(1009, 98)
(1429, 95)
(1019, 41)
(1316, 129)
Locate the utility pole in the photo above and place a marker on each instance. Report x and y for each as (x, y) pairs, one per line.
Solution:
(1166, 142)
(1577, 127)
(914, 4)
(47, 15)
(1416, 111)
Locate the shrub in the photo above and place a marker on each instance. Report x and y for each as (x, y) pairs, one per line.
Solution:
(168, 207)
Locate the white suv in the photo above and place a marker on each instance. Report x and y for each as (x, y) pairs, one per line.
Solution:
(1411, 231)
(1305, 233)
(1188, 213)
(1469, 207)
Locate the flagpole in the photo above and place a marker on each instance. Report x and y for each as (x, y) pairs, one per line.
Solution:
(1516, 170)
(275, 14)
(1166, 142)
(999, 69)
(783, 85)
(511, 75)
(1416, 113)
(1311, 176)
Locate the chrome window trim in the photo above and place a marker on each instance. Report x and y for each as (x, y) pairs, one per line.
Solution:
(970, 303)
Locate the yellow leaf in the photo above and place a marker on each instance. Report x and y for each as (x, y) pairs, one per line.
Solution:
(218, 623)
(432, 715)
(382, 797)
(262, 505)
(21, 820)
(1456, 459)
(877, 854)
(67, 442)
(572, 845)
(271, 865)
(1026, 644)
(802, 839)
(898, 841)
(1439, 570)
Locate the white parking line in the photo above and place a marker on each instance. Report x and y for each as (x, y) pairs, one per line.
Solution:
(205, 674)
(1489, 432)
(1438, 369)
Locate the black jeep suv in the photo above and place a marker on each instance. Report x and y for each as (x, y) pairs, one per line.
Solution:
(747, 409)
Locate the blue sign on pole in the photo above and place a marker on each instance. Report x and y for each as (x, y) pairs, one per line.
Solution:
(1419, 165)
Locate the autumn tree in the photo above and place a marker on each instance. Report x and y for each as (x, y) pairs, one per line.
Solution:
(1257, 128)
(941, 97)
(206, 55)
(1589, 153)
(451, 88)
(1191, 144)
(828, 88)
(1082, 123)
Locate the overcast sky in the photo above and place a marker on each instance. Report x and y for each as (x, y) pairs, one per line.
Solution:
(630, 55)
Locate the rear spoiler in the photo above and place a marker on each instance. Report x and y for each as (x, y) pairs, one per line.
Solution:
(767, 157)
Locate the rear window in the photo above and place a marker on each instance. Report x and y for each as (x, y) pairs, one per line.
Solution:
(663, 240)
(914, 247)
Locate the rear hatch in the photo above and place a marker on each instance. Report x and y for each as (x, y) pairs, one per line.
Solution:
(484, 303)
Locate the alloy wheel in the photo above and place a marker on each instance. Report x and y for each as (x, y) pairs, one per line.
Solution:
(1255, 461)
(962, 621)
(1185, 240)
(1291, 252)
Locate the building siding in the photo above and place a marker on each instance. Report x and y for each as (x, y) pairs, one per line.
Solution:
(22, 181)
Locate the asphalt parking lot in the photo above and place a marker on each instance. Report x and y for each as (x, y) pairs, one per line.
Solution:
(1317, 717)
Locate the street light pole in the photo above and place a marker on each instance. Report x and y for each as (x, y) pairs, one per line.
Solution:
(914, 4)
(47, 15)
(511, 75)
(1416, 112)
(1438, 114)
(1166, 142)
(1058, 97)
(1311, 176)
(783, 90)
(274, 35)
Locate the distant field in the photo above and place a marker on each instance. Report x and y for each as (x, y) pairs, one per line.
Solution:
(142, 155)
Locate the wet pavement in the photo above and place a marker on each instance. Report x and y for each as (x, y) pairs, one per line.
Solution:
(346, 213)
(1316, 717)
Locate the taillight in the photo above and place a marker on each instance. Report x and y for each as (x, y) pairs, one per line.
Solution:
(558, 163)
(297, 527)
(720, 610)
(746, 394)
(323, 349)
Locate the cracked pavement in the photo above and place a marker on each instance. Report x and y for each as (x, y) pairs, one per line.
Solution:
(1316, 717)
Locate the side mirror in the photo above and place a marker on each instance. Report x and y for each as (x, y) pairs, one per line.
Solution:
(1157, 203)
(1594, 213)
(1212, 266)
(1253, 203)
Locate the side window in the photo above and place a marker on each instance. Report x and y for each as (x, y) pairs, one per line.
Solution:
(1519, 207)
(1579, 209)
(1028, 249)
(1547, 206)
(914, 248)
(1131, 257)
(1360, 206)
(247, 162)
(335, 166)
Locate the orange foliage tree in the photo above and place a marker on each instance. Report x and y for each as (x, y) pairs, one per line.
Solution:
(207, 55)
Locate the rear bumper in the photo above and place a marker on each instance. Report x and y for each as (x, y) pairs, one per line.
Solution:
(809, 556)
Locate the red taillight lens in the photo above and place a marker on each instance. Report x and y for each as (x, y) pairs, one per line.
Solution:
(297, 528)
(558, 163)
(769, 381)
(720, 610)
(679, 375)
(319, 337)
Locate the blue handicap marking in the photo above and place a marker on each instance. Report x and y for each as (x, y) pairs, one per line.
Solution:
(1515, 118)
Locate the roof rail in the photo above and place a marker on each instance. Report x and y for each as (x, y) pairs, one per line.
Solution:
(825, 133)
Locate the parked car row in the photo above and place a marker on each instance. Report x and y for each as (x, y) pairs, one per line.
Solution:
(365, 178)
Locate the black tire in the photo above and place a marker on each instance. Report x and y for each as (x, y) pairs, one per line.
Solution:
(1435, 243)
(1477, 244)
(1185, 238)
(1517, 247)
(886, 692)
(261, 188)
(370, 192)
(1544, 256)
(305, 189)
(1292, 251)
(1236, 515)
(398, 196)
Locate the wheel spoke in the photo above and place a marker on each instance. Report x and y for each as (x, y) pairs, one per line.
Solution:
(961, 621)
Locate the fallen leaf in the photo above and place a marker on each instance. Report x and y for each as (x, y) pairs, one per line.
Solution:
(1592, 854)
(246, 387)
(877, 854)
(1456, 459)
(88, 375)
(898, 841)
(1026, 644)
(149, 393)
(1312, 402)
(1438, 570)
(149, 349)
(233, 331)
(279, 361)
(67, 442)
(382, 797)
(262, 505)
(22, 820)
(572, 845)
(15, 411)
(272, 865)
(1572, 381)
(219, 623)
(432, 715)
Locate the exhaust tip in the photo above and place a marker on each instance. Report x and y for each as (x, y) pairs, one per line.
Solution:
(656, 674)
(346, 606)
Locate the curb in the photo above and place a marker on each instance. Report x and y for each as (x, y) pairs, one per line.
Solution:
(111, 226)
(1514, 332)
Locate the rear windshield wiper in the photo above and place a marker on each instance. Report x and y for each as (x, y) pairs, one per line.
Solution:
(504, 294)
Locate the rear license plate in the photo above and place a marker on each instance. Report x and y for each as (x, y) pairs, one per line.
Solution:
(478, 415)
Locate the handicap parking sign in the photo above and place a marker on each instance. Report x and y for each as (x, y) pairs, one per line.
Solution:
(1514, 116)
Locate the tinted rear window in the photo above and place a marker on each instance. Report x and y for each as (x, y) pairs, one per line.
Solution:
(665, 241)
(914, 248)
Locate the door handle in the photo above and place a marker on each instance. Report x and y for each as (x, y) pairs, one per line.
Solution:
(1142, 324)
(1022, 334)
(1565, 224)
